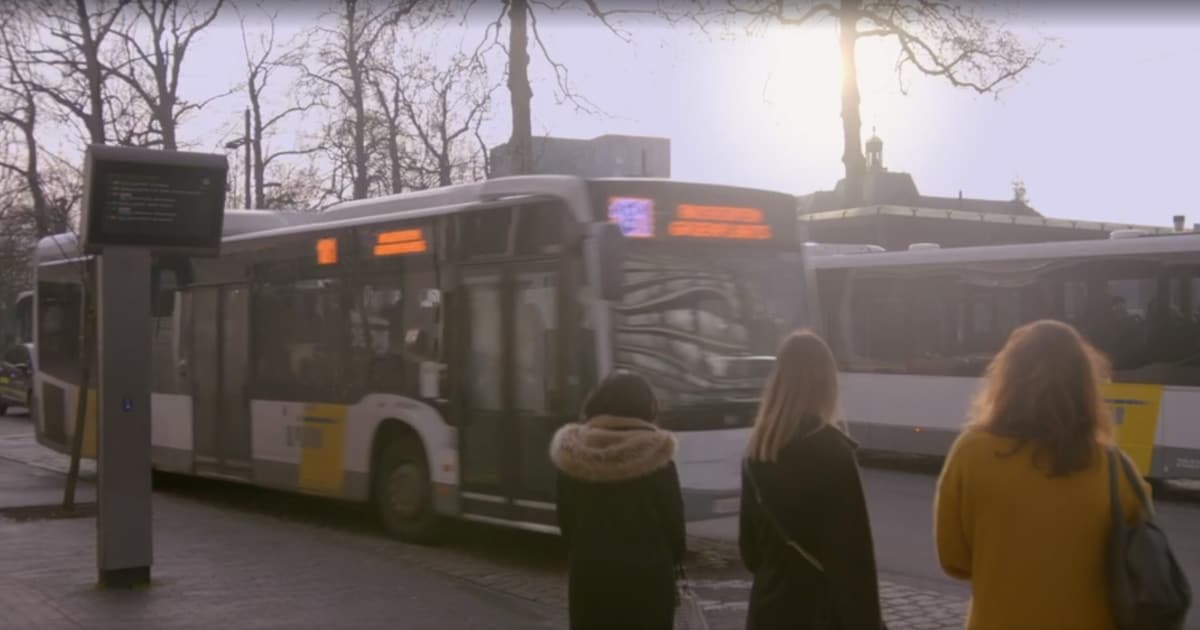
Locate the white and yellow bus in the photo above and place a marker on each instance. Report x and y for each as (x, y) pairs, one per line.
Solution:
(914, 330)
(419, 350)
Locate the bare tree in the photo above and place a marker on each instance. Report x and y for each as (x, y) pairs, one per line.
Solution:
(19, 111)
(73, 55)
(955, 41)
(264, 62)
(155, 47)
(345, 55)
(520, 17)
(443, 105)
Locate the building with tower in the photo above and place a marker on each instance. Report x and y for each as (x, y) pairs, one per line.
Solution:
(895, 214)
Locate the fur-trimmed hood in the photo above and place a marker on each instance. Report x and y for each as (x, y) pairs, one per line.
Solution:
(607, 448)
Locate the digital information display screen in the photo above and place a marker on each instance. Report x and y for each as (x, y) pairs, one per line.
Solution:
(634, 215)
(166, 201)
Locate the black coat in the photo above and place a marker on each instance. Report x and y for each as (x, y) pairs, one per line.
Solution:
(815, 494)
(621, 512)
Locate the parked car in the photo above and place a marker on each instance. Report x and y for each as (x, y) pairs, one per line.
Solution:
(16, 377)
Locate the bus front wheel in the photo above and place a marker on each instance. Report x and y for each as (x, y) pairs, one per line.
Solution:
(403, 494)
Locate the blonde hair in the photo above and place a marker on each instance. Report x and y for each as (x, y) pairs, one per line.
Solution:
(800, 395)
(1044, 389)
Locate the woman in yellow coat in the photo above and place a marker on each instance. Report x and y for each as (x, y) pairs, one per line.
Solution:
(1022, 508)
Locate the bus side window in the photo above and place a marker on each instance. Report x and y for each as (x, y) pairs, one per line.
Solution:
(299, 334)
(540, 229)
(60, 310)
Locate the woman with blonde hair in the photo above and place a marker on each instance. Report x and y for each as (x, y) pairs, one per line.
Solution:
(1023, 503)
(804, 531)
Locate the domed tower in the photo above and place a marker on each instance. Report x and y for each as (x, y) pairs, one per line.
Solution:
(874, 152)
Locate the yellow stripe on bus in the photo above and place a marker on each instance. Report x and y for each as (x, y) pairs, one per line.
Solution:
(322, 441)
(1135, 411)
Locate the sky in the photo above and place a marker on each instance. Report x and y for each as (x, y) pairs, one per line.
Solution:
(1107, 129)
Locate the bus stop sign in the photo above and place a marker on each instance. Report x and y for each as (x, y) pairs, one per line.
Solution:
(137, 203)
(170, 202)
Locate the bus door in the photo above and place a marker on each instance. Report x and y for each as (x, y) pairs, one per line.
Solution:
(217, 328)
(511, 377)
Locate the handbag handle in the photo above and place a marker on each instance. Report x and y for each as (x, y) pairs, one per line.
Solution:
(775, 524)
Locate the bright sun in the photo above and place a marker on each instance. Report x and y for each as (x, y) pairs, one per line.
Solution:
(802, 90)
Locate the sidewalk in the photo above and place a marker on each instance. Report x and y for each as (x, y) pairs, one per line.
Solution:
(220, 566)
(217, 568)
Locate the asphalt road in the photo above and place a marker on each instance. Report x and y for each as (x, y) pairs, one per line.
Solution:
(900, 500)
(901, 507)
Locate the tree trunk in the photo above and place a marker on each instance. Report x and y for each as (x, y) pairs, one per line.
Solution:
(355, 61)
(852, 154)
(165, 113)
(260, 169)
(521, 144)
(95, 74)
(33, 178)
(445, 170)
(81, 397)
(394, 160)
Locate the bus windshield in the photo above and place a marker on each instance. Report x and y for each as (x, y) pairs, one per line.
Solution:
(703, 325)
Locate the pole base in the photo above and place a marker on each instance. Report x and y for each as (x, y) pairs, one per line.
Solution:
(125, 578)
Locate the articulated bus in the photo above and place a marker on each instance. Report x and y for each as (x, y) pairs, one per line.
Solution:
(418, 351)
(914, 330)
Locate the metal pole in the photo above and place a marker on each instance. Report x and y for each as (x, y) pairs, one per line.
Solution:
(249, 159)
(123, 521)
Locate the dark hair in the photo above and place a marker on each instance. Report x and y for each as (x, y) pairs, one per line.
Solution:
(622, 394)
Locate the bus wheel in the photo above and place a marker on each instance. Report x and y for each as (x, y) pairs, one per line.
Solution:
(3, 409)
(403, 493)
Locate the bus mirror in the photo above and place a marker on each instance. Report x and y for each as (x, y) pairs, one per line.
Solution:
(610, 245)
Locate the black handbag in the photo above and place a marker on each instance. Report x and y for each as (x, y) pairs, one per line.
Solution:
(1148, 589)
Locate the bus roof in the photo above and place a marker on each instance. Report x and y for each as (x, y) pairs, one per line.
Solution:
(61, 247)
(1166, 244)
(448, 199)
(973, 216)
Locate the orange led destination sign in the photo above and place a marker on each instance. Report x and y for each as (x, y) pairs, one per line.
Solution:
(724, 214)
(327, 251)
(400, 242)
(720, 222)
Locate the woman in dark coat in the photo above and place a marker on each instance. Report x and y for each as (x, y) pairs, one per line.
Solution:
(804, 531)
(620, 510)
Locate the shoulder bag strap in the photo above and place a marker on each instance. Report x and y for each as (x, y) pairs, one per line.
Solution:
(1114, 493)
(775, 524)
(1135, 480)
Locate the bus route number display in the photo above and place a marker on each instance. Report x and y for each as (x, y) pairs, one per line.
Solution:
(165, 201)
(634, 215)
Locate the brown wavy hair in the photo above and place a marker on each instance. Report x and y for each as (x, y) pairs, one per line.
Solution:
(1044, 390)
(800, 395)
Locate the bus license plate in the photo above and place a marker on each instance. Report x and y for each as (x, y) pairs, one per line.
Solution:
(728, 505)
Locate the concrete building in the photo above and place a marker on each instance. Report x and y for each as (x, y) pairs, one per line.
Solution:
(894, 214)
(603, 156)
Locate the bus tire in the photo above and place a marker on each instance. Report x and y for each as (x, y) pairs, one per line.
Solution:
(3, 409)
(403, 494)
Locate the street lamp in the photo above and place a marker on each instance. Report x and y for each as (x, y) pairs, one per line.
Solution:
(244, 141)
